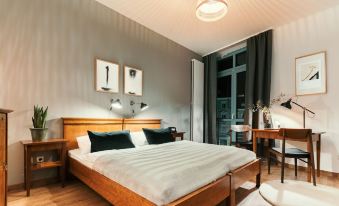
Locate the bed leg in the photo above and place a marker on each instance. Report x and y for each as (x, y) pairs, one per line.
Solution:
(231, 199)
(258, 180)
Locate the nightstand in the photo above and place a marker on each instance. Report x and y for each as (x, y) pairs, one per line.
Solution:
(31, 147)
(175, 135)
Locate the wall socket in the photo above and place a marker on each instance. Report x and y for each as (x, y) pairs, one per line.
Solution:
(40, 159)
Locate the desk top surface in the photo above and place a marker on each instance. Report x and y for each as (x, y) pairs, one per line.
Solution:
(5, 110)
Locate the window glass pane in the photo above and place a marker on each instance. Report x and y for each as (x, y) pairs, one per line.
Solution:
(240, 59)
(226, 63)
(224, 108)
(241, 83)
(223, 128)
(224, 86)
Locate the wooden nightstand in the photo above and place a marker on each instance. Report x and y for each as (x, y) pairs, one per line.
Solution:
(175, 135)
(48, 145)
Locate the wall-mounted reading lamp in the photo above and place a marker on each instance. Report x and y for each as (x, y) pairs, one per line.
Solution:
(143, 106)
(116, 104)
(288, 105)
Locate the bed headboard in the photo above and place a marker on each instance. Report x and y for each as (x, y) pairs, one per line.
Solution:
(137, 124)
(75, 127)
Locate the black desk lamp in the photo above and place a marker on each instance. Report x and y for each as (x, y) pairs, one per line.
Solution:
(289, 106)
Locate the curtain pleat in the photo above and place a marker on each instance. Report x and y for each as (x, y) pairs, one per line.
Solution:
(258, 78)
(210, 99)
(258, 74)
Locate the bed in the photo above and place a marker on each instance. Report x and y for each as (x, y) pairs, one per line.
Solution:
(120, 193)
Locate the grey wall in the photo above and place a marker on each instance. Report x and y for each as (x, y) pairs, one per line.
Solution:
(47, 57)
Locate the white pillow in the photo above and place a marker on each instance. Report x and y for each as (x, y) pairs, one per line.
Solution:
(84, 144)
(138, 138)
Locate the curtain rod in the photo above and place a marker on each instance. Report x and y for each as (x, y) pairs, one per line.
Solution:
(237, 42)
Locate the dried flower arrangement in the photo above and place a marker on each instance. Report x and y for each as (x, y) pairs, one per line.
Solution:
(265, 109)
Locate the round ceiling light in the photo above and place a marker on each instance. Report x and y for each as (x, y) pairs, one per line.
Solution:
(211, 10)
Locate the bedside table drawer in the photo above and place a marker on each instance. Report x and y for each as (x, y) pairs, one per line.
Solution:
(57, 146)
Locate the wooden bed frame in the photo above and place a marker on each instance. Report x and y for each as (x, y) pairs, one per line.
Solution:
(209, 195)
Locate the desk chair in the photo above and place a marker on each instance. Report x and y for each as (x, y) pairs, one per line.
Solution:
(304, 135)
(244, 141)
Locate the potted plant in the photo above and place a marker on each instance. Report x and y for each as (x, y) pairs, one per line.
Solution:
(39, 132)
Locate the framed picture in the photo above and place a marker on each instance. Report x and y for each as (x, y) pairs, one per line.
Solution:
(106, 76)
(133, 81)
(310, 74)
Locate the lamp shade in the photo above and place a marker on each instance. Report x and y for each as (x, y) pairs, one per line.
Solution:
(287, 104)
(143, 106)
(211, 10)
(115, 104)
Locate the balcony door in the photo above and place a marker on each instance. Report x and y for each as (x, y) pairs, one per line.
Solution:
(231, 80)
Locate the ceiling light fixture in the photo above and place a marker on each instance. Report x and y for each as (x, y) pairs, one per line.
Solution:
(211, 10)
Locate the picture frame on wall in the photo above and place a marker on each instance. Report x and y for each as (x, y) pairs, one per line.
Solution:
(310, 74)
(106, 76)
(133, 79)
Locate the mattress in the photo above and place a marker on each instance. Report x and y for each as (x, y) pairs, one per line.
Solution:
(166, 172)
(84, 159)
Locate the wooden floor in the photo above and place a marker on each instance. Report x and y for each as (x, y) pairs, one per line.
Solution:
(76, 194)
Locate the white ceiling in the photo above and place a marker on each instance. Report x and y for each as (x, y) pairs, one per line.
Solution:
(176, 20)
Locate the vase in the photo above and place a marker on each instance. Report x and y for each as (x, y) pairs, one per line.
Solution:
(39, 134)
(267, 120)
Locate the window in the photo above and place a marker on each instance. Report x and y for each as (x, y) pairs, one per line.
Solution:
(231, 84)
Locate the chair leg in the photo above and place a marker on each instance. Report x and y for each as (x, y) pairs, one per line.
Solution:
(269, 162)
(296, 167)
(282, 168)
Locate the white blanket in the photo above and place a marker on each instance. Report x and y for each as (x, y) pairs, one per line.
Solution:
(166, 172)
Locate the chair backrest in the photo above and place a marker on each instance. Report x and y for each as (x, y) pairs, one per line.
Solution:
(240, 128)
(304, 135)
(296, 134)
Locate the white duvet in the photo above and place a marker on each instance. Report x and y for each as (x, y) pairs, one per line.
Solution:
(166, 172)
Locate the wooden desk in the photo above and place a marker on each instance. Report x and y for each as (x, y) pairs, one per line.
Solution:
(274, 134)
(48, 145)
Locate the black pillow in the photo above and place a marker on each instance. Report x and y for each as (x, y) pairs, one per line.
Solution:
(110, 140)
(158, 136)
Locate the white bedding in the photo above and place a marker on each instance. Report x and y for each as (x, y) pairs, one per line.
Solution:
(166, 172)
(83, 158)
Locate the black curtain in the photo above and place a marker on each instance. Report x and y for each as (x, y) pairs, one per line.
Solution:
(258, 74)
(258, 78)
(210, 98)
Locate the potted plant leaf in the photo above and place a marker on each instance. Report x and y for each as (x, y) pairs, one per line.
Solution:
(39, 132)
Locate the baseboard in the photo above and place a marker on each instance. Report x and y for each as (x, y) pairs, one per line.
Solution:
(302, 168)
(322, 172)
(34, 183)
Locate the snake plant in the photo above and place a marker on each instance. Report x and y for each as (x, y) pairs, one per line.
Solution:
(39, 118)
